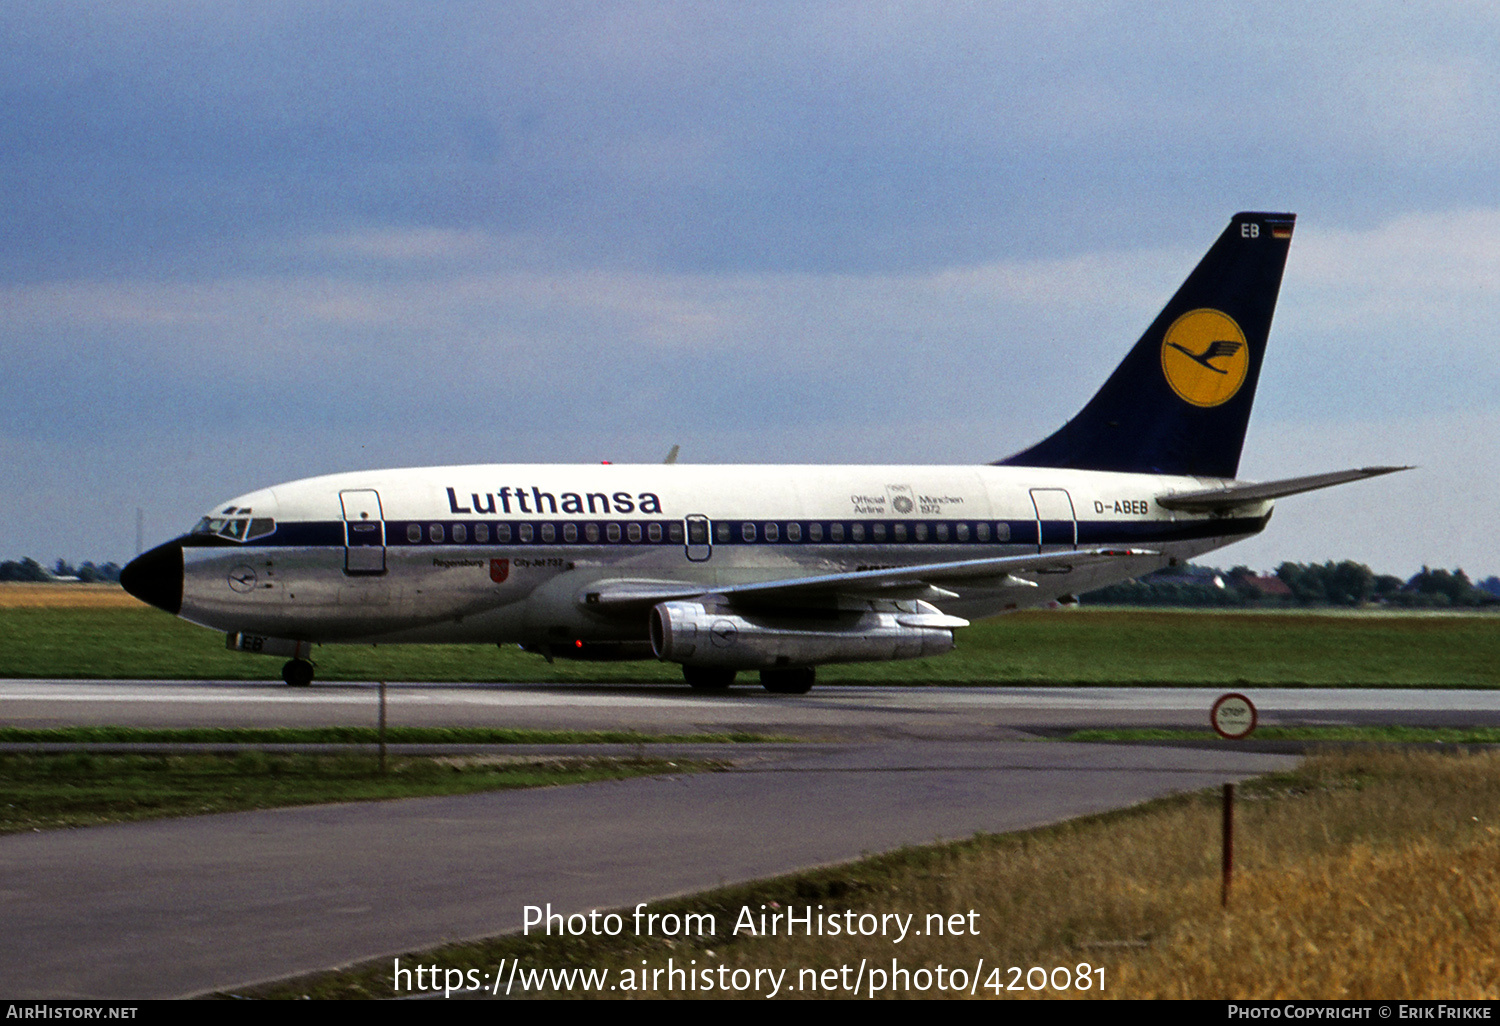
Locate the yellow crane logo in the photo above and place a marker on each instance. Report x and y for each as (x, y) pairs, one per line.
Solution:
(1204, 357)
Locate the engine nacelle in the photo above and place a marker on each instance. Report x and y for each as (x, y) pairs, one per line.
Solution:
(696, 634)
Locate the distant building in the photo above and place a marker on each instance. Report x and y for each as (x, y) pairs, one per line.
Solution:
(1268, 587)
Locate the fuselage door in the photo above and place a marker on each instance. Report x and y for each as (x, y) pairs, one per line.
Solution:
(1056, 525)
(699, 545)
(364, 532)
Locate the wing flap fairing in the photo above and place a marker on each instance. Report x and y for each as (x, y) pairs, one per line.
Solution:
(626, 596)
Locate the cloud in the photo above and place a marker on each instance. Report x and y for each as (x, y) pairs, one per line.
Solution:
(312, 236)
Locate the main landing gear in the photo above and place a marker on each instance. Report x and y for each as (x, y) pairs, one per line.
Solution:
(707, 678)
(298, 673)
(790, 681)
(796, 681)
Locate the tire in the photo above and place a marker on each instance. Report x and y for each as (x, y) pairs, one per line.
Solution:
(298, 673)
(798, 681)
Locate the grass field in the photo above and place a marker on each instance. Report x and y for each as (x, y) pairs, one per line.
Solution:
(1364, 874)
(47, 791)
(97, 631)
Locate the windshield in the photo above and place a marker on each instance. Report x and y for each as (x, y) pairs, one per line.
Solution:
(239, 528)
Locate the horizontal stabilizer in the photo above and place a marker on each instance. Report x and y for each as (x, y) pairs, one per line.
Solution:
(1211, 499)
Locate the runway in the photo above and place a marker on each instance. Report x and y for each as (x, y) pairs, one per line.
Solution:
(186, 906)
(827, 712)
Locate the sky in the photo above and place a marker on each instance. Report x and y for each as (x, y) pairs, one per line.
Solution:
(243, 243)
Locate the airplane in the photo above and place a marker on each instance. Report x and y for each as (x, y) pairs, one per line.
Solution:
(775, 569)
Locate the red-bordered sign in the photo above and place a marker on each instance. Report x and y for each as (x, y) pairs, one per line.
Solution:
(1233, 716)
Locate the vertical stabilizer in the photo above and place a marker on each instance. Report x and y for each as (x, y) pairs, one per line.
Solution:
(1180, 401)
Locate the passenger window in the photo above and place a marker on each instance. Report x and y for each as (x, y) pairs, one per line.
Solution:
(814, 532)
(793, 532)
(878, 530)
(921, 532)
(633, 532)
(591, 532)
(413, 533)
(721, 532)
(942, 532)
(612, 532)
(460, 533)
(747, 532)
(653, 533)
(857, 532)
(899, 532)
(1002, 531)
(674, 533)
(982, 531)
(570, 532)
(772, 532)
(549, 532)
(502, 532)
(836, 532)
(481, 533)
(526, 534)
(435, 532)
(962, 531)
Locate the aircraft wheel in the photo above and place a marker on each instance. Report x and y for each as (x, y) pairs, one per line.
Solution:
(788, 682)
(707, 678)
(298, 673)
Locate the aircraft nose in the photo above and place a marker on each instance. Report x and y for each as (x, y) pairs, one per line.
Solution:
(156, 577)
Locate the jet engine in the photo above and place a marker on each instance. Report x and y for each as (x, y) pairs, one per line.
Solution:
(717, 635)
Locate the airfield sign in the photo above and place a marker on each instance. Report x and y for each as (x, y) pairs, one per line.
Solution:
(1233, 716)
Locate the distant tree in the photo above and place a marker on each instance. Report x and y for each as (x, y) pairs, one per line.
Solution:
(1187, 585)
(26, 570)
(1440, 588)
(1306, 583)
(1348, 583)
(1336, 584)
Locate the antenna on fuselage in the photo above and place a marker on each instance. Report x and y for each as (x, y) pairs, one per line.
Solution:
(672, 456)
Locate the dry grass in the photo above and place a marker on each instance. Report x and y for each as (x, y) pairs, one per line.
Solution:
(1367, 875)
(1387, 886)
(1417, 922)
(1364, 874)
(16, 595)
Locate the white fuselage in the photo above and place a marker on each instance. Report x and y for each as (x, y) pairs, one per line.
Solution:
(500, 553)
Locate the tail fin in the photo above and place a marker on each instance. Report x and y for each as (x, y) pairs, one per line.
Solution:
(1180, 401)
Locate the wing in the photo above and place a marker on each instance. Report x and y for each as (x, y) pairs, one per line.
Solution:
(924, 581)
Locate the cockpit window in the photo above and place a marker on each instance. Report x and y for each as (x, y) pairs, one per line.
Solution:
(240, 529)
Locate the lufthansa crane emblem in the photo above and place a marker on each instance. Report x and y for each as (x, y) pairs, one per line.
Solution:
(1204, 357)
